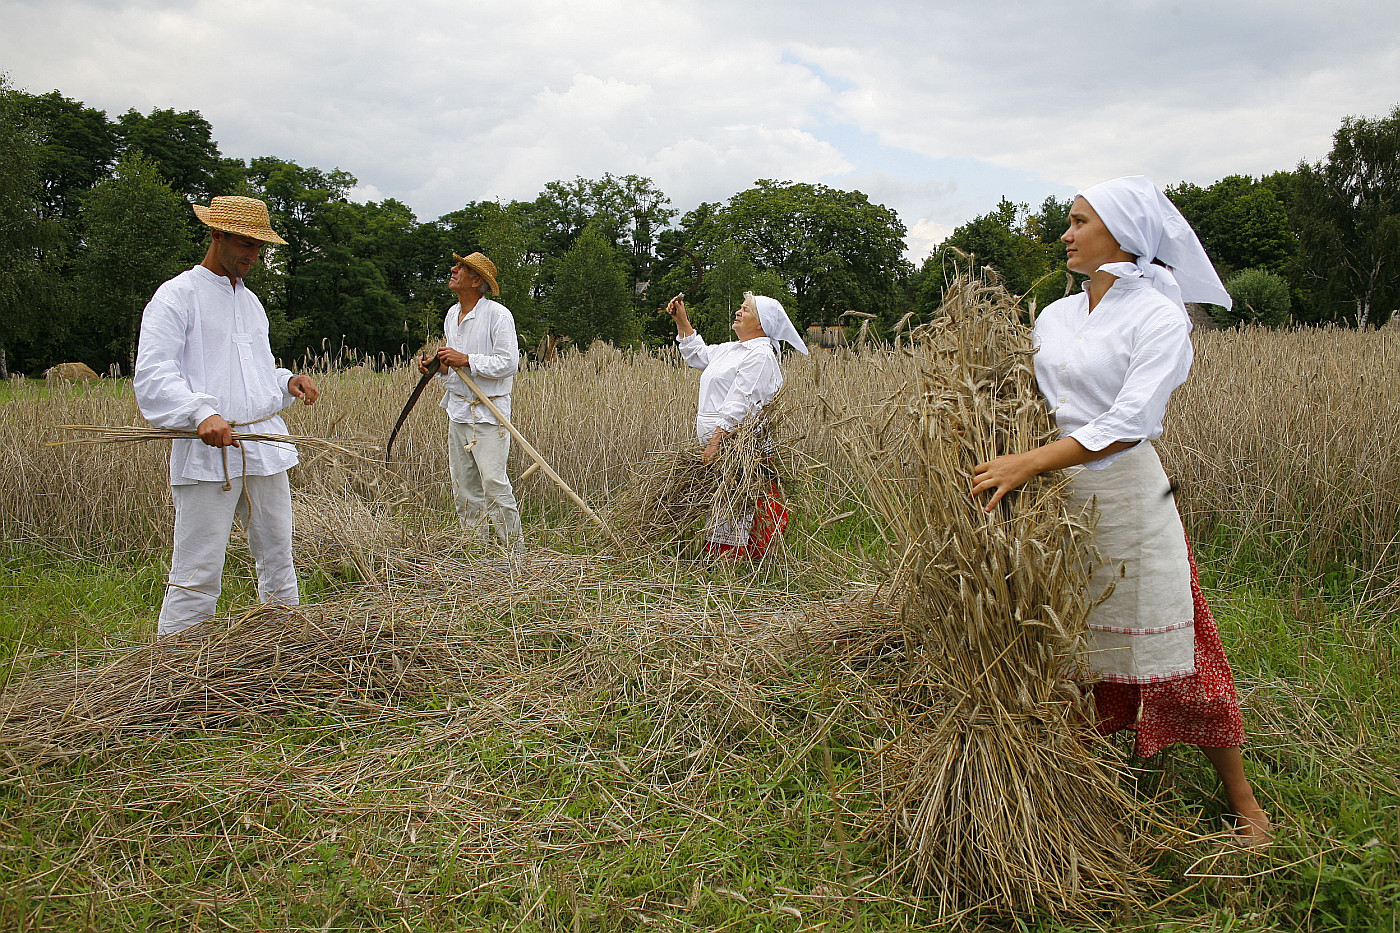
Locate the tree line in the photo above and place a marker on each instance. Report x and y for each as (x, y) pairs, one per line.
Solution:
(1316, 245)
(94, 215)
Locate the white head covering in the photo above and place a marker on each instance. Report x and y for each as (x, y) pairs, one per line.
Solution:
(1148, 225)
(776, 324)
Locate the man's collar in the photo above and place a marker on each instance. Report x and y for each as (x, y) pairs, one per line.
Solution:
(476, 305)
(211, 276)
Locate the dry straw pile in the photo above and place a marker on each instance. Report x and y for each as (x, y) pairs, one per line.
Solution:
(476, 722)
(262, 664)
(992, 793)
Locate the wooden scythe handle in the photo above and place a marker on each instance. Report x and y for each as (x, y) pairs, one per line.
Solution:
(534, 454)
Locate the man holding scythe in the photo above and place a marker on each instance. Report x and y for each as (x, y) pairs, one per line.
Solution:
(481, 339)
(204, 362)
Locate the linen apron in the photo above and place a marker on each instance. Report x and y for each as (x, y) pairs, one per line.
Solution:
(1144, 632)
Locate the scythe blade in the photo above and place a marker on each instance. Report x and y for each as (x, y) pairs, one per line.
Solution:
(412, 400)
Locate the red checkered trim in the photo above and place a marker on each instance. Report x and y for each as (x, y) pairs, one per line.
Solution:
(1159, 630)
(1147, 679)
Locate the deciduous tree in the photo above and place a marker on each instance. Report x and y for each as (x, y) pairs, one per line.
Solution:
(1348, 215)
(730, 275)
(833, 249)
(1240, 222)
(298, 200)
(504, 237)
(629, 211)
(76, 148)
(1022, 248)
(182, 144)
(1257, 296)
(591, 299)
(26, 236)
(135, 236)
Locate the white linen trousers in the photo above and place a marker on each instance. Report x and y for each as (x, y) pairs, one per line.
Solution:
(204, 514)
(476, 458)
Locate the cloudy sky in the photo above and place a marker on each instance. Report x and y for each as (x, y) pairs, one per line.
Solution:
(934, 108)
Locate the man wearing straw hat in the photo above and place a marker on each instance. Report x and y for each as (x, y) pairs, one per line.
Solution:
(481, 339)
(204, 363)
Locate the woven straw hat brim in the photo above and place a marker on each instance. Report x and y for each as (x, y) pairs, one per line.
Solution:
(240, 219)
(483, 267)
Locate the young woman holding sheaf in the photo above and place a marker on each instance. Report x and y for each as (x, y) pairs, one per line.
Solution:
(1108, 360)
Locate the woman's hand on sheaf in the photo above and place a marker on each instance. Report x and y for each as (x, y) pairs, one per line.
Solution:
(711, 450)
(1012, 471)
(1002, 475)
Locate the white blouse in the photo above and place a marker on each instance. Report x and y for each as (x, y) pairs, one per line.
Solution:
(204, 351)
(487, 336)
(739, 377)
(1109, 375)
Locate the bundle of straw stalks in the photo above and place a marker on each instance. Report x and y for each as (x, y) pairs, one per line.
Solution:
(993, 794)
(126, 434)
(267, 662)
(674, 497)
(543, 646)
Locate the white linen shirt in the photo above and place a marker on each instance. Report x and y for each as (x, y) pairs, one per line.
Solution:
(204, 351)
(1109, 375)
(739, 377)
(487, 336)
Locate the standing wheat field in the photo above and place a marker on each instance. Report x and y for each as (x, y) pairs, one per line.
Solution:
(581, 740)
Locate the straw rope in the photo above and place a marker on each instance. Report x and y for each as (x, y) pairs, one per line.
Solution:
(126, 434)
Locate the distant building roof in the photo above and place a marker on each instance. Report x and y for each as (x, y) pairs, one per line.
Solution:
(827, 335)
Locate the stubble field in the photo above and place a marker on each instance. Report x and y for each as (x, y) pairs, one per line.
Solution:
(444, 738)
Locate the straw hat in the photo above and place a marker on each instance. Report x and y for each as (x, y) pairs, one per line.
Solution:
(482, 266)
(243, 216)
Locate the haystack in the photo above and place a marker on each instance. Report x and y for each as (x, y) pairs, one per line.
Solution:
(71, 372)
(993, 793)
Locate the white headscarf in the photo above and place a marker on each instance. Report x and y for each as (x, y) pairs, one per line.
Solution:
(776, 324)
(1148, 225)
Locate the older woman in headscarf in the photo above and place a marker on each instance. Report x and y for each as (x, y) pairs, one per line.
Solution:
(1108, 361)
(739, 377)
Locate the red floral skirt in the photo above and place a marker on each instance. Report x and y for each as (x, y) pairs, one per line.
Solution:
(1202, 709)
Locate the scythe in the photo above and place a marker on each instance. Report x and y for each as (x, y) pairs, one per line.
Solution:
(412, 400)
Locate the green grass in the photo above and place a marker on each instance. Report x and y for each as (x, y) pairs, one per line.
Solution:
(42, 388)
(58, 604)
(159, 839)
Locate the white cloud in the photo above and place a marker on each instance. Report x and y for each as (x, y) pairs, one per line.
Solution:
(949, 105)
(924, 236)
(1190, 89)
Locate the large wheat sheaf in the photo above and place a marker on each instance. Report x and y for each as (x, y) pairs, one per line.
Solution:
(993, 793)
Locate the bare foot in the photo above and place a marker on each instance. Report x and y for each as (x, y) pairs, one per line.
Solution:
(1252, 828)
(1250, 823)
